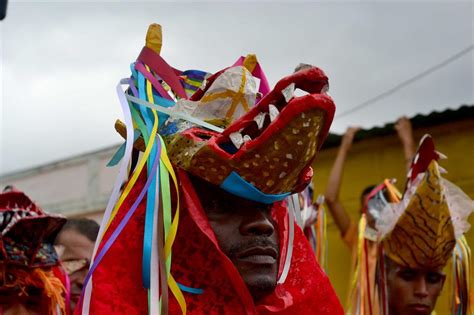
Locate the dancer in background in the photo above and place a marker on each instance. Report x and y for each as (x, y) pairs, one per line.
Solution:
(75, 246)
(31, 278)
(418, 233)
(350, 230)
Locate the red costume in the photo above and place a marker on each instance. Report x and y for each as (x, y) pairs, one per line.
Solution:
(238, 158)
(198, 262)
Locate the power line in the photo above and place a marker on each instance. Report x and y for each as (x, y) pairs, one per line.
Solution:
(406, 82)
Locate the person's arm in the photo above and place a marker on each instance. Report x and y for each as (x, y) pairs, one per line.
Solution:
(405, 133)
(331, 195)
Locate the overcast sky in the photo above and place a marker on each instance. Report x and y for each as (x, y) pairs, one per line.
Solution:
(61, 60)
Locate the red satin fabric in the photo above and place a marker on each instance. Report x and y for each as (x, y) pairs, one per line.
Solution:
(198, 262)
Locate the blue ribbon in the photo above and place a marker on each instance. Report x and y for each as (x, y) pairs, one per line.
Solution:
(151, 195)
(121, 150)
(189, 289)
(119, 229)
(238, 186)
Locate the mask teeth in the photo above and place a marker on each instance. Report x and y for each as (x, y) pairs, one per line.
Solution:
(236, 138)
(441, 155)
(247, 138)
(417, 156)
(260, 119)
(288, 92)
(325, 89)
(203, 84)
(273, 112)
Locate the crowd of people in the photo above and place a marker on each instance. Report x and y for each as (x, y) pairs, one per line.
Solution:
(205, 217)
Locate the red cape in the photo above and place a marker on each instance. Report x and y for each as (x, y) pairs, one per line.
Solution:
(198, 262)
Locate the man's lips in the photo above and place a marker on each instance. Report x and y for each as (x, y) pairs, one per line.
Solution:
(258, 255)
(420, 308)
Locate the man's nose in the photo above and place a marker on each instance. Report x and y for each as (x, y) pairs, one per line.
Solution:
(257, 223)
(78, 277)
(421, 288)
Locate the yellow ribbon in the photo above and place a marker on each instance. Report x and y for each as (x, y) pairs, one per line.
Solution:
(169, 240)
(395, 195)
(137, 172)
(250, 62)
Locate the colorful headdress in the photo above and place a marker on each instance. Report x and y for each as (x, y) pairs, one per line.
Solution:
(366, 291)
(421, 231)
(27, 255)
(425, 229)
(252, 142)
(313, 222)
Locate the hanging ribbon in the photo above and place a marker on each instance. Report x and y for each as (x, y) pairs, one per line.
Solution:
(293, 205)
(117, 185)
(150, 203)
(117, 232)
(175, 114)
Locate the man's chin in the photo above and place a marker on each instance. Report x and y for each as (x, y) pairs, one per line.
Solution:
(260, 285)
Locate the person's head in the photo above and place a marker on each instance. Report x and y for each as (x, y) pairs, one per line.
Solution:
(421, 232)
(412, 291)
(302, 66)
(31, 279)
(75, 244)
(246, 233)
(363, 196)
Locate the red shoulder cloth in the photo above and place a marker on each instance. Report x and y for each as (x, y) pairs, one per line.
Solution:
(199, 263)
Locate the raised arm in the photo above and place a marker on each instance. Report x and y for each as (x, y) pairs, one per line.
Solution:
(405, 133)
(335, 207)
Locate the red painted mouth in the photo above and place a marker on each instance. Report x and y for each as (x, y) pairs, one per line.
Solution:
(269, 110)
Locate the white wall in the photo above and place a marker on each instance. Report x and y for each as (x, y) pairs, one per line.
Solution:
(79, 186)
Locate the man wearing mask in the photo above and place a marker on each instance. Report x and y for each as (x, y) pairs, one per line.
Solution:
(237, 248)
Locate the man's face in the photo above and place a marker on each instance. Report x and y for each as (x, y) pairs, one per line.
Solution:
(75, 251)
(246, 233)
(413, 291)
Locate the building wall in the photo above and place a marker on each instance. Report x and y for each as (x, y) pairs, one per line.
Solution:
(79, 186)
(372, 160)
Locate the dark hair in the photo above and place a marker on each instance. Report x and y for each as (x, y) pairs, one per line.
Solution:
(302, 66)
(87, 227)
(364, 193)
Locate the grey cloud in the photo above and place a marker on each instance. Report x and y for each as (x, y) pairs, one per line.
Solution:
(61, 61)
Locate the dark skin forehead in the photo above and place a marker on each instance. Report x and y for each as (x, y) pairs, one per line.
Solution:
(212, 196)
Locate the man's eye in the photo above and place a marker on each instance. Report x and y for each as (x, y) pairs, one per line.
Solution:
(265, 208)
(215, 207)
(434, 277)
(407, 275)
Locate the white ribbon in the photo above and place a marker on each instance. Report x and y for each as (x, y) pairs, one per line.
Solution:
(116, 190)
(175, 114)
